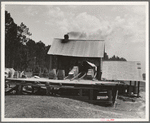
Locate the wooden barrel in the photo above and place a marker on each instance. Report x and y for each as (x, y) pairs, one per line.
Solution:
(61, 74)
(18, 74)
(52, 74)
(12, 72)
(70, 76)
(90, 74)
(76, 70)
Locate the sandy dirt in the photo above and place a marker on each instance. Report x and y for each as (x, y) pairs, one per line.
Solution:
(31, 106)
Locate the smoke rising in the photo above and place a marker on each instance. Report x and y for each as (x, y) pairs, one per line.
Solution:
(101, 32)
(77, 34)
(95, 35)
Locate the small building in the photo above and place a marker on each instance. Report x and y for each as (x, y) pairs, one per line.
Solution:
(68, 53)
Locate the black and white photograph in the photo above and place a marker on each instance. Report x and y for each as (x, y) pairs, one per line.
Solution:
(74, 61)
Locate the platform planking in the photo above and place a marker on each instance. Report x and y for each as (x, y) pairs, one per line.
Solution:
(80, 82)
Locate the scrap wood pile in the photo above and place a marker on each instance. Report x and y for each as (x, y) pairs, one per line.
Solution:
(11, 73)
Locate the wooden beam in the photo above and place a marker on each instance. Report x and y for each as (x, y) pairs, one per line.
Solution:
(135, 88)
(99, 69)
(129, 89)
(75, 76)
(110, 97)
(82, 77)
(135, 83)
(51, 63)
(27, 92)
(138, 94)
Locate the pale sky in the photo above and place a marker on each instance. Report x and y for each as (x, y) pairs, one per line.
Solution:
(123, 27)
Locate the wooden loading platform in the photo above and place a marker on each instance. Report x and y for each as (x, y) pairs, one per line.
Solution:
(93, 91)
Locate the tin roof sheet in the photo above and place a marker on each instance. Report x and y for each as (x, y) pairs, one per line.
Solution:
(122, 70)
(78, 48)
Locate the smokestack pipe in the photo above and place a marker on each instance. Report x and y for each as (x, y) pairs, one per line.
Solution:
(66, 38)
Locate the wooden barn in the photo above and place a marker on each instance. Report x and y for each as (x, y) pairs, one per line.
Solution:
(68, 53)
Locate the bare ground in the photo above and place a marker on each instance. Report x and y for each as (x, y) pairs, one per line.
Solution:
(26, 106)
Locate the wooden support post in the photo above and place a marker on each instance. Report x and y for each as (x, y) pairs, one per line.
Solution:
(58, 62)
(138, 94)
(47, 89)
(135, 83)
(91, 94)
(135, 88)
(17, 74)
(32, 89)
(130, 83)
(110, 96)
(99, 69)
(115, 101)
(51, 62)
(19, 89)
(115, 96)
(80, 92)
(95, 93)
(129, 89)
(38, 90)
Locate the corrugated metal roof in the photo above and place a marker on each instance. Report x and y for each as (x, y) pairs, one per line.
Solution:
(122, 70)
(78, 48)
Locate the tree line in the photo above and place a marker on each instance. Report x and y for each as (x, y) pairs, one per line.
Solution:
(113, 58)
(21, 52)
